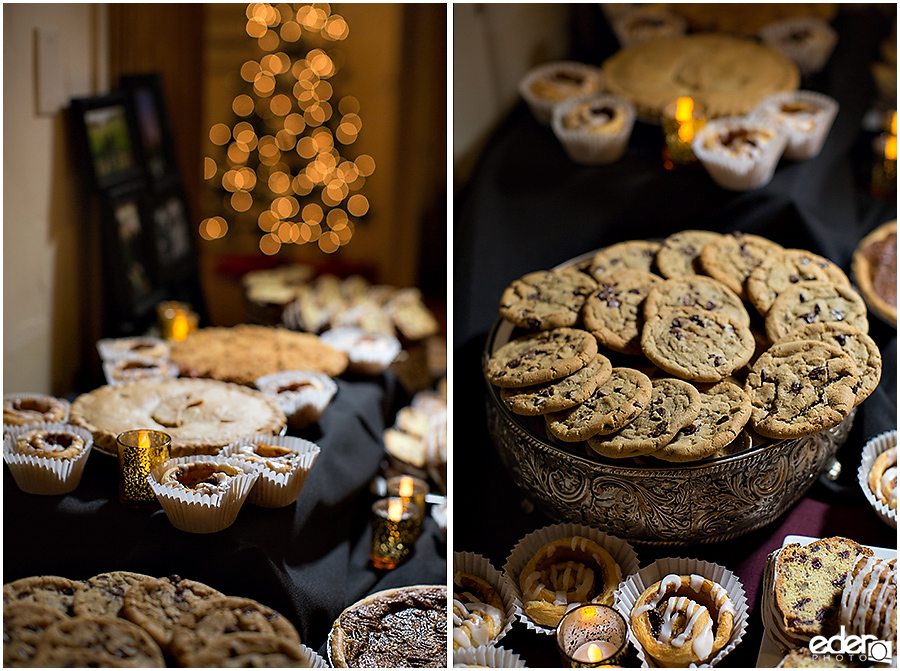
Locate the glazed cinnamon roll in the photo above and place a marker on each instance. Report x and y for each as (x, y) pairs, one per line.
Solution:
(478, 612)
(883, 478)
(683, 620)
(564, 572)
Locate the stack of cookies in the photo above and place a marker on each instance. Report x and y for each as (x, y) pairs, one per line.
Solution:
(671, 349)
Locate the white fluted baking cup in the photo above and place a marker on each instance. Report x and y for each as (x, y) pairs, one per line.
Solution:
(880, 443)
(199, 513)
(62, 406)
(316, 661)
(808, 55)
(43, 475)
(586, 147)
(738, 172)
(480, 567)
(116, 348)
(621, 551)
(542, 107)
(133, 367)
(635, 585)
(368, 353)
(802, 142)
(276, 486)
(491, 657)
(305, 405)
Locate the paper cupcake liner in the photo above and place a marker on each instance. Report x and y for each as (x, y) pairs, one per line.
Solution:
(304, 407)
(493, 658)
(276, 490)
(198, 513)
(634, 586)
(368, 353)
(593, 148)
(810, 56)
(880, 443)
(528, 546)
(673, 25)
(116, 348)
(542, 108)
(801, 145)
(738, 173)
(316, 661)
(481, 567)
(42, 475)
(64, 404)
(161, 369)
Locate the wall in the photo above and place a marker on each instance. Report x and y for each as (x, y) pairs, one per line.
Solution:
(43, 206)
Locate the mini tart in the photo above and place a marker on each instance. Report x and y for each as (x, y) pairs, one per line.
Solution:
(199, 477)
(302, 395)
(478, 612)
(50, 444)
(116, 348)
(47, 458)
(683, 619)
(283, 464)
(874, 267)
(551, 83)
(368, 353)
(22, 409)
(132, 367)
(594, 131)
(739, 154)
(567, 571)
(644, 25)
(805, 117)
(807, 41)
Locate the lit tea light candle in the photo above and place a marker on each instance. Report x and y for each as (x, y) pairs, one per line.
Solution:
(591, 636)
(681, 119)
(394, 530)
(408, 488)
(884, 166)
(176, 320)
(139, 451)
(594, 651)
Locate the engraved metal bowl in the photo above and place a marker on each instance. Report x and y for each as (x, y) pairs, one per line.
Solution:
(659, 504)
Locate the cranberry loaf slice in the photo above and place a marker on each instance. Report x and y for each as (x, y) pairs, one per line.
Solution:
(809, 581)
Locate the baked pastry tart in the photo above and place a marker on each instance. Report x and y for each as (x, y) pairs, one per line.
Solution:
(883, 478)
(478, 612)
(567, 571)
(22, 409)
(683, 619)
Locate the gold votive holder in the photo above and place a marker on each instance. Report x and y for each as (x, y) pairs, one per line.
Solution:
(592, 635)
(681, 119)
(395, 527)
(176, 320)
(139, 451)
(884, 166)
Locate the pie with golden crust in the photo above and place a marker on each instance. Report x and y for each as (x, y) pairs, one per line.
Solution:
(729, 75)
(874, 268)
(201, 416)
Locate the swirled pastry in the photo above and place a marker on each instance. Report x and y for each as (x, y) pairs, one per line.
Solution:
(683, 619)
(883, 478)
(477, 612)
(50, 444)
(200, 477)
(567, 571)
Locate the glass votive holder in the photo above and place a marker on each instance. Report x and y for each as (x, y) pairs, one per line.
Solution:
(395, 527)
(681, 119)
(410, 489)
(176, 320)
(592, 635)
(139, 451)
(884, 166)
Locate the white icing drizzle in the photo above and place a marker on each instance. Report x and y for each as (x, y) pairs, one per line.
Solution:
(474, 621)
(887, 485)
(870, 599)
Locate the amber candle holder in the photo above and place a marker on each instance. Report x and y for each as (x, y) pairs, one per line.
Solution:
(139, 451)
(592, 636)
(681, 119)
(176, 320)
(395, 527)
(884, 166)
(410, 489)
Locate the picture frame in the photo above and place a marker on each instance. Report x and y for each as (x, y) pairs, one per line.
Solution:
(172, 242)
(104, 136)
(155, 146)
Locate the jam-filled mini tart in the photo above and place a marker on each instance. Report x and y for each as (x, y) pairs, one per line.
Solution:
(24, 409)
(283, 464)
(369, 353)
(551, 83)
(805, 117)
(47, 458)
(302, 395)
(146, 346)
(739, 153)
(136, 367)
(596, 130)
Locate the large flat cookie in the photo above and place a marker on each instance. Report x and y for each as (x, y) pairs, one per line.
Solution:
(800, 388)
(697, 345)
(680, 252)
(732, 258)
(613, 405)
(558, 394)
(541, 357)
(47, 590)
(247, 650)
(812, 302)
(614, 313)
(23, 626)
(780, 271)
(103, 595)
(97, 641)
(546, 299)
(673, 405)
(631, 254)
(724, 410)
(695, 291)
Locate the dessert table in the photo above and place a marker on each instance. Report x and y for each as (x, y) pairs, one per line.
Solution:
(308, 560)
(527, 207)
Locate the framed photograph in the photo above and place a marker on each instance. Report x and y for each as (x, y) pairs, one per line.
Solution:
(156, 147)
(170, 230)
(104, 133)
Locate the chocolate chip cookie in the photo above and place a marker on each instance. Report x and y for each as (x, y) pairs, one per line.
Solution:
(23, 626)
(724, 410)
(854, 342)
(799, 388)
(546, 299)
(813, 302)
(614, 313)
(103, 594)
(558, 394)
(680, 253)
(614, 404)
(673, 405)
(732, 258)
(695, 291)
(697, 345)
(47, 590)
(541, 357)
(635, 254)
(97, 641)
(248, 650)
(790, 266)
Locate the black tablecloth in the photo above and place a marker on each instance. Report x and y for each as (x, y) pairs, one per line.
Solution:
(528, 207)
(308, 560)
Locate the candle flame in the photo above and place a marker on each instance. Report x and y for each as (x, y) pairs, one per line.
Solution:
(407, 486)
(894, 124)
(395, 510)
(684, 109)
(593, 653)
(144, 440)
(686, 131)
(179, 327)
(890, 148)
(588, 612)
